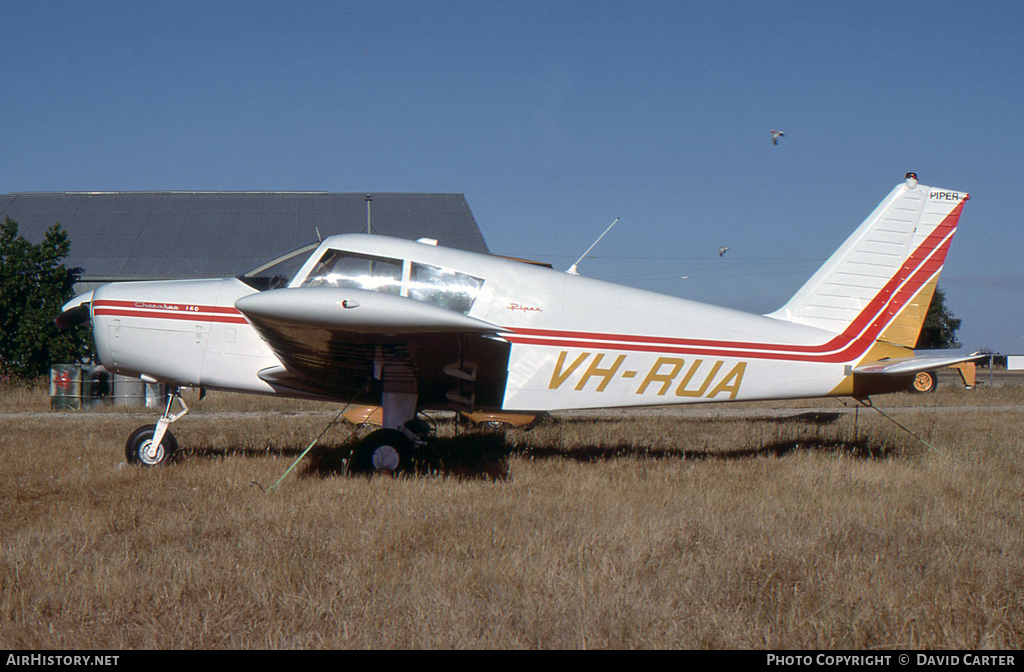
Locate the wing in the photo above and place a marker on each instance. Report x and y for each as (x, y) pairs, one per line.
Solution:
(337, 341)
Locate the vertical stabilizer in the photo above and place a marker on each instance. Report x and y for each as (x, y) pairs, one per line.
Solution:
(880, 282)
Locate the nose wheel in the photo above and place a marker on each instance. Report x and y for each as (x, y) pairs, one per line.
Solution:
(140, 448)
(153, 445)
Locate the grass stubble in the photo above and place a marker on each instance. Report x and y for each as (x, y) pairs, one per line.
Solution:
(587, 532)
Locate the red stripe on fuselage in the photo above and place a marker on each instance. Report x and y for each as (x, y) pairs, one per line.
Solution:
(162, 310)
(922, 264)
(170, 306)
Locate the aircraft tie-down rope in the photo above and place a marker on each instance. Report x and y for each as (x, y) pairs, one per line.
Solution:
(298, 459)
(867, 403)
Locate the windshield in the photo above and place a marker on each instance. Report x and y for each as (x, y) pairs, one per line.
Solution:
(280, 270)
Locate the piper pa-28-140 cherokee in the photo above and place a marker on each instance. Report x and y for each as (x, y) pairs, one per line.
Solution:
(412, 326)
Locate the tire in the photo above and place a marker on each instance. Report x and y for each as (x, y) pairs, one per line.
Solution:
(385, 451)
(924, 382)
(137, 449)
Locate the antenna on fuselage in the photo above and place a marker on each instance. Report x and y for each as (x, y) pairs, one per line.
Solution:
(572, 269)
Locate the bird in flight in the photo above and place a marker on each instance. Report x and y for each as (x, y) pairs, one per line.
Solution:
(776, 135)
(722, 250)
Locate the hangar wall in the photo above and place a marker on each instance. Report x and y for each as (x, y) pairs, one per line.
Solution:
(166, 235)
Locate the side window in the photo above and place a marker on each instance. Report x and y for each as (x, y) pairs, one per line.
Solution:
(443, 287)
(344, 269)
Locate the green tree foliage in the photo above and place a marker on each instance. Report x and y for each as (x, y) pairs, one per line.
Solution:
(34, 284)
(940, 326)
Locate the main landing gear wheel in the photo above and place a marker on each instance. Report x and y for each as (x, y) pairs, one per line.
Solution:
(385, 451)
(924, 381)
(140, 448)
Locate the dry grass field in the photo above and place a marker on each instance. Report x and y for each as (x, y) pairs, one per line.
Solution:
(666, 530)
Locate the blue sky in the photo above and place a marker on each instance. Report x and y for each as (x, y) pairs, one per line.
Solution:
(554, 118)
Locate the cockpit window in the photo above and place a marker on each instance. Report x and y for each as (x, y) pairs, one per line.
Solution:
(280, 270)
(443, 287)
(436, 285)
(345, 269)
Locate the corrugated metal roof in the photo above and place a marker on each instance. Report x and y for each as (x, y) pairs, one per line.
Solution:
(129, 235)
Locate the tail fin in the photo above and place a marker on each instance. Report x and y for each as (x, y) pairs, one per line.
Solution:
(879, 284)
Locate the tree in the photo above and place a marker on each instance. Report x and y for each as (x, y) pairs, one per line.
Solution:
(34, 284)
(940, 326)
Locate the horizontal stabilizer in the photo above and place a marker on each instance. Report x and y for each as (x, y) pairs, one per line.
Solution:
(907, 365)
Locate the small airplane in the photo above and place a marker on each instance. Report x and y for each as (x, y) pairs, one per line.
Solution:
(411, 326)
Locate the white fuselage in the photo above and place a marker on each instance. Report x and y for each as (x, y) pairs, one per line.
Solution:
(575, 342)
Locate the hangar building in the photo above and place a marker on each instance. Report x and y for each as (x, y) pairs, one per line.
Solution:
(119, 236)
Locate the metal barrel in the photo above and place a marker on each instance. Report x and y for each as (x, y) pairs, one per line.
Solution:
(129, 391)
(97, 386)
(65, 386)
